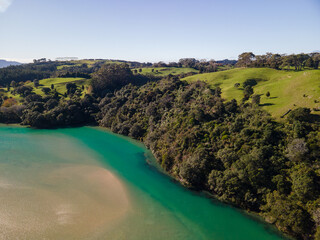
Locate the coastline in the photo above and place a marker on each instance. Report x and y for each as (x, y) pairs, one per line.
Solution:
(151, 161)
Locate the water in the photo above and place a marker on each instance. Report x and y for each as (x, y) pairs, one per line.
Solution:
(87, 183)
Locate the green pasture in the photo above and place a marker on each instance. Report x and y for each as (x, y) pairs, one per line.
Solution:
(288, 89)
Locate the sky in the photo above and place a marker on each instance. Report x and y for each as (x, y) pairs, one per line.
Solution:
(152, 31)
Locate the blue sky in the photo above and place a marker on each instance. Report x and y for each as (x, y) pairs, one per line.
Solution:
(148, 30)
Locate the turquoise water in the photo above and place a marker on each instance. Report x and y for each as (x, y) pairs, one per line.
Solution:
(157, 208)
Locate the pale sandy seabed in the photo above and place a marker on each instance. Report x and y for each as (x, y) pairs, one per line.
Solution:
(43, 199)
(85, 183)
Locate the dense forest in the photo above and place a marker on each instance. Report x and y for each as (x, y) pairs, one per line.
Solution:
(233, 150)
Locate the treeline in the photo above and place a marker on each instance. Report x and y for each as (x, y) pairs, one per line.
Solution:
(53, 110)
(26, 72)
(80, 71)
(279, 61)
(203, 65)
(234, 151)
(42, 70)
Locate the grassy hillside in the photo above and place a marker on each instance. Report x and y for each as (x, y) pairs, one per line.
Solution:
(288, 89)
(59, 85)
(164, 71)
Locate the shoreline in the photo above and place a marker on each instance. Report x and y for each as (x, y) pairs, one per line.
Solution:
(151, 161)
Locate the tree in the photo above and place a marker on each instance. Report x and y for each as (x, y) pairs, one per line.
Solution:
(300, 114)
(52, 86)
(274, 60)
(297, 149)
(71, 88)
(36, 83)
(24, 90)
(287, 215)
(301, 60)
(140, 70)
(268, 94)
(237, 85)
(46, 90)
(304, 183)
(309, 63)
(111, 77)
(196, 168)
(256, 99)
(188, 62)
(249, 82)
(261, 61)
(217, 92)
(13, 84)
(316, 60)
(247, 92)
(245, 59)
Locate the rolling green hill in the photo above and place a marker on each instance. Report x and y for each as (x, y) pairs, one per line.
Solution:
(59, 85)
(288, 89)
(165, 71)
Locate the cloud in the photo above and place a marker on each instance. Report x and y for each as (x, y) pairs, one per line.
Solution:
(4, 4)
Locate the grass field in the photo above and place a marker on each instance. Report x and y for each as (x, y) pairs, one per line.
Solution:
(288, 89)
(164, 71)
(59, 85)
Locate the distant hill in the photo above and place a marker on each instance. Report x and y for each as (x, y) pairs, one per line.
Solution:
(288, 89)
(4, 63)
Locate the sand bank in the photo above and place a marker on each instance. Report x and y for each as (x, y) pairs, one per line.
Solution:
(65, 202)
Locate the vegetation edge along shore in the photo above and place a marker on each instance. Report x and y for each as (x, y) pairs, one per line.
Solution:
(233, 149)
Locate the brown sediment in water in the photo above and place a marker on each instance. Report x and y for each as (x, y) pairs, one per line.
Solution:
(70, 201)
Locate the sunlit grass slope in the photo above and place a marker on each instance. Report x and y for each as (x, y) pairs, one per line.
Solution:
(60, 84)
(288, 89)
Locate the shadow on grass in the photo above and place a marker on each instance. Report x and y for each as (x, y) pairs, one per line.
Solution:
(266, 104)
(315, 118)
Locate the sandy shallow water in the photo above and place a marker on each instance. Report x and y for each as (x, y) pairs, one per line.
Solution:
(47, 197)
